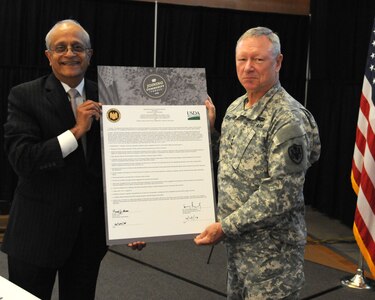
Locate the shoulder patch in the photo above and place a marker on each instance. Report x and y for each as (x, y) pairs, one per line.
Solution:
(295, 153)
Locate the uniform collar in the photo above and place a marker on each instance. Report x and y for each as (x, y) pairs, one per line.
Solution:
(258, 107)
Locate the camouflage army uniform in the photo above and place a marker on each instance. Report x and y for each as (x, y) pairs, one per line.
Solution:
(265, 152)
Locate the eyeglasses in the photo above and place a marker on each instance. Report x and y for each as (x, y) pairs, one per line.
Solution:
(62, 49)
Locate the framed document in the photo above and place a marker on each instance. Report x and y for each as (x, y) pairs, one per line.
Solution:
(156, 154)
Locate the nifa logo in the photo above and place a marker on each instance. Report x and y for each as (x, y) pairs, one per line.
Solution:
(193, 115)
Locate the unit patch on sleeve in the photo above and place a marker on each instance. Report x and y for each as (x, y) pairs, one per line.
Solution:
(296, 153)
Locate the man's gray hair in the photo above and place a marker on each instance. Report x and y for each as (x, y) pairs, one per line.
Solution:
(263, 31)
(85, 35)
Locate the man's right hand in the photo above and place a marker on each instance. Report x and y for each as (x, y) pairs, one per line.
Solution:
(137, 245)
(86, 112)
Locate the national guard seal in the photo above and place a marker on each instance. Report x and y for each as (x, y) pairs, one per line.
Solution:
(113, 115)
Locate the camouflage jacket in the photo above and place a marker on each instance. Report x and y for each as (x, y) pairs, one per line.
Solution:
(264, 154)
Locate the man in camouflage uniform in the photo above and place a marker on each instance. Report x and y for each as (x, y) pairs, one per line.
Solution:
(268, 142)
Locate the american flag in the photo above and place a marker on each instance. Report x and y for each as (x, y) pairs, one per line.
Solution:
(363, 165)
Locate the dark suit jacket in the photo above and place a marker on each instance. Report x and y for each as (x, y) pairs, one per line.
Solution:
(55, 196)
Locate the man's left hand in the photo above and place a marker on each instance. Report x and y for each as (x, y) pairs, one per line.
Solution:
(211, 235)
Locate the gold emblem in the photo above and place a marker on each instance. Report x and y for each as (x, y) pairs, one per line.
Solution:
(113, 115)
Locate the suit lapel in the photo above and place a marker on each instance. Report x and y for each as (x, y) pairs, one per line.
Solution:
(55, 93)
(91, 91)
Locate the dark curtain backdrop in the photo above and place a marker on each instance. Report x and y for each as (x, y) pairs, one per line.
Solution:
(122, 34)
(340, 36)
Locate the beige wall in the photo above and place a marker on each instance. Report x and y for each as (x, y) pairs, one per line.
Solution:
(295, 7)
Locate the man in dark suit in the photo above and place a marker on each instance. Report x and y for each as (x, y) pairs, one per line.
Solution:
(56, 223)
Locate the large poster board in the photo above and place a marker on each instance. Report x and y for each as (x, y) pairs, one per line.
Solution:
(156, 153)
(8, 290)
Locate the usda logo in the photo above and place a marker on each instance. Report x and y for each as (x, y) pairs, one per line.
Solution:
(193, 115)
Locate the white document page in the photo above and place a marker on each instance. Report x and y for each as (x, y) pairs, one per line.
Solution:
(158, 172)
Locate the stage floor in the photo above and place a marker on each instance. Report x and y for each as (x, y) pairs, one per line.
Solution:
(180, 270)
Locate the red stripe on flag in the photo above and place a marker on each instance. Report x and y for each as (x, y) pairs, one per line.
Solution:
(368, 190)
(365, 106)
(365, 234)
(360, 141)
(371, 141)
(356, 174)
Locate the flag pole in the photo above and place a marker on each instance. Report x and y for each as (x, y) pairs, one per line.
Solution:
(358, 281)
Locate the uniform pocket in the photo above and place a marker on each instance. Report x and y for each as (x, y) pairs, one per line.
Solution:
(239, 144)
